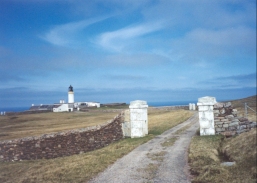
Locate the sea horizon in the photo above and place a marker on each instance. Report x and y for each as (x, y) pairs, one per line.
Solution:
(152, 104)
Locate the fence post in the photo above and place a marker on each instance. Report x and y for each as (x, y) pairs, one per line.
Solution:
(245, 110)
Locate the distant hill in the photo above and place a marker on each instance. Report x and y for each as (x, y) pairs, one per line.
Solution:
(240, 106)
(251, 101)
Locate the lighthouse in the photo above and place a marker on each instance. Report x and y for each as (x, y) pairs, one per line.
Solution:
(70, 95)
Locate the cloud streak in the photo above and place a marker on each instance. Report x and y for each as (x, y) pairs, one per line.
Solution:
(118, 40)
(233, 81)
(63, 35)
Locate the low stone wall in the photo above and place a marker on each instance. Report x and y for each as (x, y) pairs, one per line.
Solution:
(226, 121)
(63, 143)
(171, 107)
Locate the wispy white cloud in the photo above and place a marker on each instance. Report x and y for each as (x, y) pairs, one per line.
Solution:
(231, 81)
(135, 60)
(63, 35)
(128, 77)
(119, 39)
(208, 45)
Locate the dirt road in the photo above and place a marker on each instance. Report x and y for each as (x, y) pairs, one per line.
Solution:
(162, 159)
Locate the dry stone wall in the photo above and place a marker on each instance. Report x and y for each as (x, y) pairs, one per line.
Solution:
(167, 108)
(63, 143)
(227, 122)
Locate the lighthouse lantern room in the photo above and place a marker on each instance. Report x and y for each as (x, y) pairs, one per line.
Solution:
(70, 95)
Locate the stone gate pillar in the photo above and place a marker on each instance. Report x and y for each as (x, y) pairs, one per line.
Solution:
(138, 118)
(193, 106)
(206, 117)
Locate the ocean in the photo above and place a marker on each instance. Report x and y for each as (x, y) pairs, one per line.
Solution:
(13, 109)
(171, 103)
(153, 104)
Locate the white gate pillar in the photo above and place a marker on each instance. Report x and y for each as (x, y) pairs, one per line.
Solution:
(190, 106)
(193, 106)
(138, 118)
(206, 117)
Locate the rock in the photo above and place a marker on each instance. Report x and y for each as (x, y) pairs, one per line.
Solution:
(241, 127)
(232, 128)
(234, 124)
(241, 131)
(218, 105)
(229, 116)
(218, 123)
(253, 125)
(228, 163)
(222, 111)
(220, 129)
(224, 120)
(228, 133)
(228, 104)
(225, 125)
(242, 119)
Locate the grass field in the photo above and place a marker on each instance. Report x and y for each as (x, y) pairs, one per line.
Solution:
(37, 124)
(206, 153)
(80, 168)
(251, 102)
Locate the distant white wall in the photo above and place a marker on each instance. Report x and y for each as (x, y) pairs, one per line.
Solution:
(89, 104)
(191, 106)
(92, 104)
(64, 108)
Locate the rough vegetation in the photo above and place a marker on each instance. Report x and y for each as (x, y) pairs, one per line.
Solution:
(207, 153)
(82, 167)
(18, 126)
(251, 102)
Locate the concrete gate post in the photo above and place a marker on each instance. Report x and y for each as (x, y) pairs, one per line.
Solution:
(190, 106)
(206, 116)
(193, 106)
(138, 118)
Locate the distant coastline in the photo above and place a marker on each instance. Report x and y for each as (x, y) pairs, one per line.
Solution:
(13, 109)
(172, 103)
(153, 104)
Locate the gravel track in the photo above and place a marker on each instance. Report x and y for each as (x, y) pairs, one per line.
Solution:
(158, 160)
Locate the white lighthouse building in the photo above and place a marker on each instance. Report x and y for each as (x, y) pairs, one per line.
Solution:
(70, 95)
(71, 105)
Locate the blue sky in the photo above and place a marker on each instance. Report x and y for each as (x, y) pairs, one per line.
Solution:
(118, 51)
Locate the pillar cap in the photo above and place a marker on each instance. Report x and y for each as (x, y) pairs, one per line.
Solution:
(207, 100)
(138, 104)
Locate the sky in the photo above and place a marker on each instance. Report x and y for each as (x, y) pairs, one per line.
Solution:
(120, 51)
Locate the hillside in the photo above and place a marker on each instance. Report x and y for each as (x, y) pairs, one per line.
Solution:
(240, 106)
(251, 101)
(208, 153)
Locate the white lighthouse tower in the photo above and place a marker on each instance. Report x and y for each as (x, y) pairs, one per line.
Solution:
(70, 95)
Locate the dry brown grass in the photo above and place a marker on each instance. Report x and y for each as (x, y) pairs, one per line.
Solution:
(207, 152)
(80, 168)
(161, 120)
(240, 106)
(37, 124)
